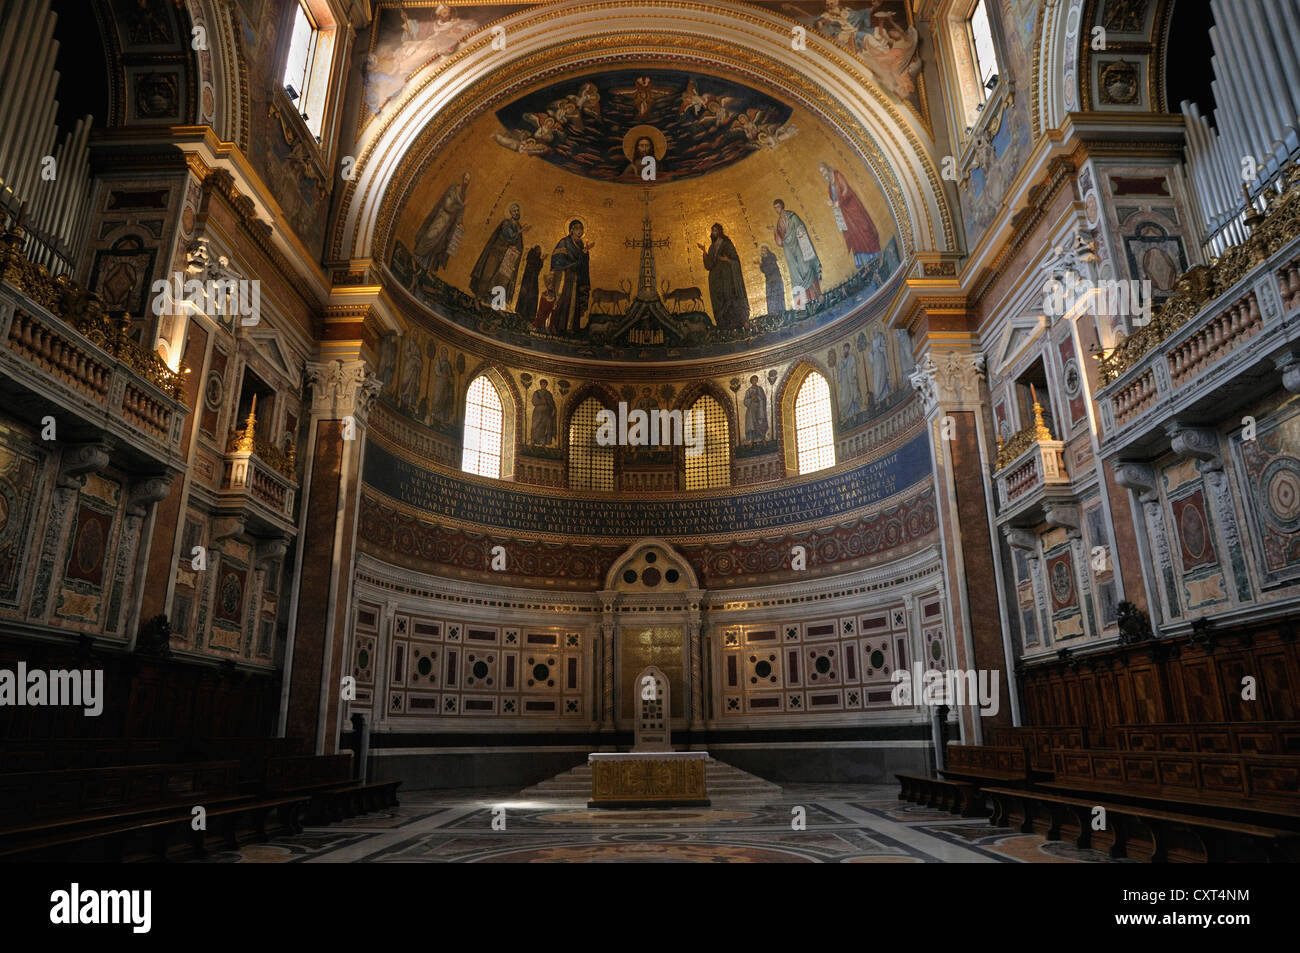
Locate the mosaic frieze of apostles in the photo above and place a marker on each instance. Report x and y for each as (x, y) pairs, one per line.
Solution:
(425, 380)
(644, 214)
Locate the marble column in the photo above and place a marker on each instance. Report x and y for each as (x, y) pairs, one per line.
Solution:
(695, 678)
(951, 386)
(268, 557)
(608, 635)
(161, 550)
(384, 666)
(342, 392)
(142, 495)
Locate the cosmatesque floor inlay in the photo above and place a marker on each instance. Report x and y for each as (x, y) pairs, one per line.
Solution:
(807, 823)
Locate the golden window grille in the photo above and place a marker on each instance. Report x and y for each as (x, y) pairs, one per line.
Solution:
(814, 435)
(591, 466)
(712, 467)
(482, 442)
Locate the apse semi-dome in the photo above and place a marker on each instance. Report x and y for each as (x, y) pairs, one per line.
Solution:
(641, 212)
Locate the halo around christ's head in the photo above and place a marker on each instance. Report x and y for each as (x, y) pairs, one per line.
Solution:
(644, 132)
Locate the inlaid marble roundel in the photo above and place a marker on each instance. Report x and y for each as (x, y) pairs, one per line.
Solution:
(1280, 492)
(1193, 529)
(1072, 382)
(214, 392)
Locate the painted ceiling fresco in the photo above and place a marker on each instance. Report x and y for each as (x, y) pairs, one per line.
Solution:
(649, 219)
(591, 128)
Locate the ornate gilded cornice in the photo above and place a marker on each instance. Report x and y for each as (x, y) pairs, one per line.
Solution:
(221, 183)
(1061, 172)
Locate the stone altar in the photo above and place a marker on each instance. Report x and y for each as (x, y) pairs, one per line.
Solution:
(648, 779)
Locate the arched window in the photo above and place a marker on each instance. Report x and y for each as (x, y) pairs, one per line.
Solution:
(708, 446)
(482, 455)
(814, 437)
(986, 58)
(591, 465)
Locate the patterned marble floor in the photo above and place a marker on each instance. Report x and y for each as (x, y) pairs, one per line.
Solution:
(841, 824)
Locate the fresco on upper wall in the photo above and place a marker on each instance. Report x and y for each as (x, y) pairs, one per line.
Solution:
(644, 214)
(277, 146)
(1003, 140)
(878, 33)
(406, 37)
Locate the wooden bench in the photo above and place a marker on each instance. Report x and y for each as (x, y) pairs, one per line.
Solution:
(327, 780)
(968, 768)
(986, 763)
(251, 753)
(1140, 833)
(1040, 740)
(1263, 784)
(1259, 737)
(1164, 805)
(54, 754)
(134, 812)
(157, 835)
(955, 797)
(32, 796)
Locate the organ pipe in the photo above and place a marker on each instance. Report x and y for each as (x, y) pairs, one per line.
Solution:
(56, 212)
(1256, 86)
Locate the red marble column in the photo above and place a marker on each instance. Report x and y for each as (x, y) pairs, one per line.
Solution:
(951, 383)
(968, 476)
(314, 663)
